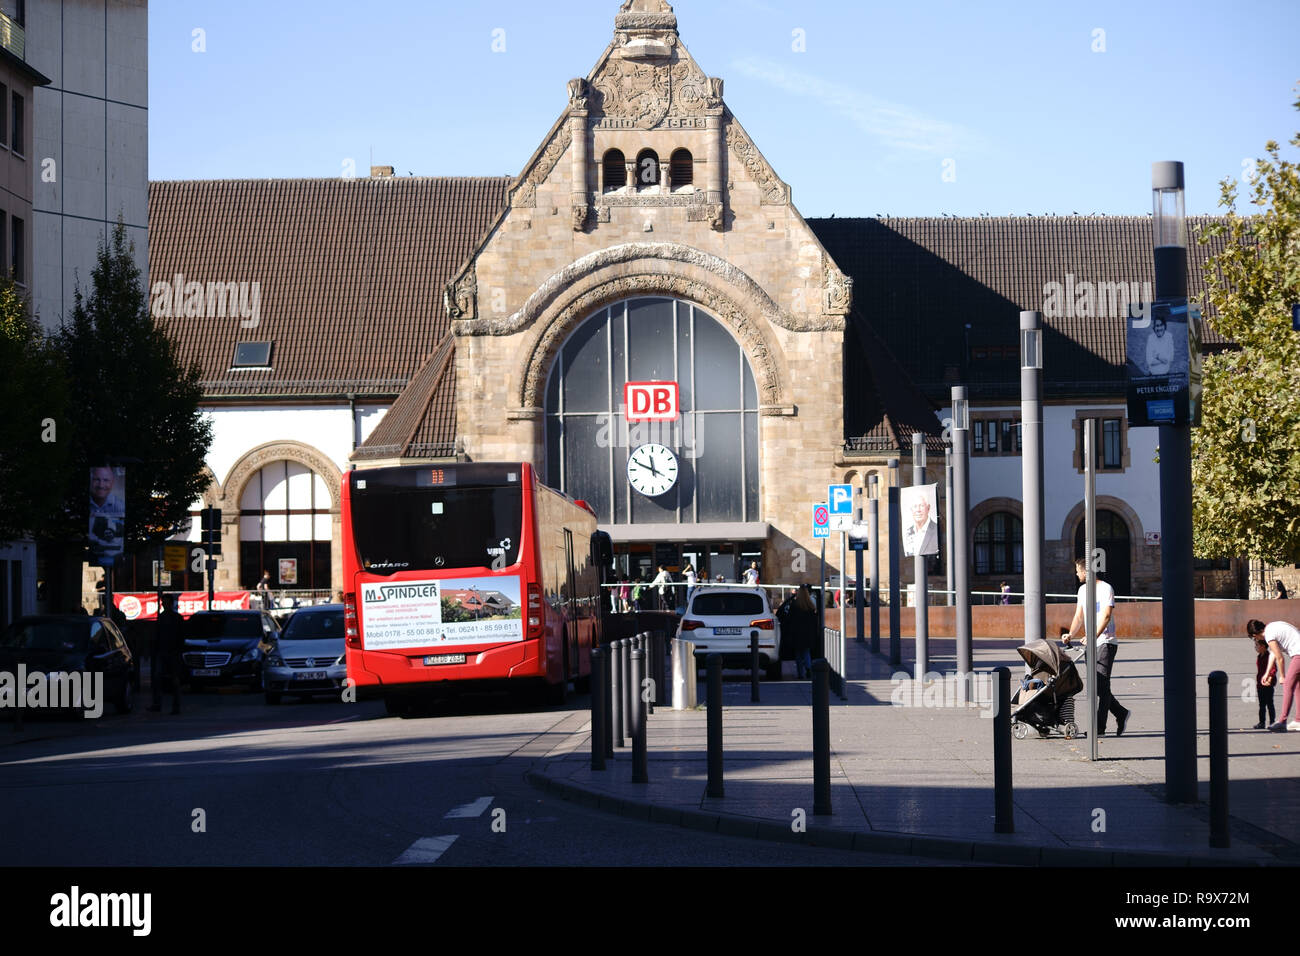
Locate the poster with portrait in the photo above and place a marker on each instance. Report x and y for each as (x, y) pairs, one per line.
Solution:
(107, 525)
(1163, 347)
(288, 571)
(919, 505)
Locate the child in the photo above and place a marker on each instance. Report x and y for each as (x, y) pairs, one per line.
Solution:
(1265, 693)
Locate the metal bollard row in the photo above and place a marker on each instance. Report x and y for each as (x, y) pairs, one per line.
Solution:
(1003, 802)
(821, 693)
(1219, 836)
(715, 788)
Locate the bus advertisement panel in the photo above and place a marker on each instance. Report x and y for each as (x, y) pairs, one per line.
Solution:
(449, 611)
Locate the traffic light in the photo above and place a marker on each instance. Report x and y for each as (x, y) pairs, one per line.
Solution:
(211, 527)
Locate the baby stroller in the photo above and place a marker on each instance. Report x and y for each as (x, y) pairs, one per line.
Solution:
(1045, 700)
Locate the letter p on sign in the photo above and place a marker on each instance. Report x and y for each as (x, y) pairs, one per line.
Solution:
(651, 401)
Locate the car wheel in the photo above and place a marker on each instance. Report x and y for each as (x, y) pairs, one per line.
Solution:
(125, 702)
(273, 698)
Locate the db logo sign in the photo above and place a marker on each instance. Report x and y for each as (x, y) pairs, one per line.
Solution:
(651, 401)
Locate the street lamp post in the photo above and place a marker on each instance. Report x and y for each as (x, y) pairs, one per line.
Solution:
(1031, 471)
(918, 566)
(1178, 607)
(960, 520)
(947, 523)
(873, 523)
(895, 564)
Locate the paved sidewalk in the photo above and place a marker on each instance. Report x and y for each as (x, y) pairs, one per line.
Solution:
(919, 780)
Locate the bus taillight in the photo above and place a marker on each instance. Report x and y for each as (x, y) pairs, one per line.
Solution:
(350, 632)
(536, 611)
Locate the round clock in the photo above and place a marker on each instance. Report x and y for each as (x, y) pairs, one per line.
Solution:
(652, 469)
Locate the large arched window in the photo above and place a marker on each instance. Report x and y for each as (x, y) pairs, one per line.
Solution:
(588, 438)
(999, 545)
(285, 528)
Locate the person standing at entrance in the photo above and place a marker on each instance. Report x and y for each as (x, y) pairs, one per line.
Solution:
(1107, 647)
(661, 585)
(691, 580)
(751, 575)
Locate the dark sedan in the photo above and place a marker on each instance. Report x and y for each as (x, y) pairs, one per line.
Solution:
(67, 651)
(227, 647)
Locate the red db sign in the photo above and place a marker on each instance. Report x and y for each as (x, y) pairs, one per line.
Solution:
(651, 401)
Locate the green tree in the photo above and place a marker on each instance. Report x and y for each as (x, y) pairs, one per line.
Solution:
(35, 435)
(1246, 454)
(133, 401)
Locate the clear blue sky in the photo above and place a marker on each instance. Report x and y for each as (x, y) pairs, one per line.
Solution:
(860, 122)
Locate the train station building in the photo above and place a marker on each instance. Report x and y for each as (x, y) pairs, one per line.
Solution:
(382, 320)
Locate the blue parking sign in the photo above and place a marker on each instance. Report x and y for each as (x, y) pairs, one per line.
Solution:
(840, 498)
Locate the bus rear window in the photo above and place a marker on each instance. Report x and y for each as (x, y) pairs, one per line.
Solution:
(436, 529)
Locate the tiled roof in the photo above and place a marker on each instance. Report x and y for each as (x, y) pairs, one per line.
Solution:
(422, 422)
(920, 283)
(882, 405)
(350, 272)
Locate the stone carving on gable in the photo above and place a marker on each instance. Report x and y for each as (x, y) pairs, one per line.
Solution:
(838, 288)
(771, 189)
(579, 94)
(461, 295)
(524, 193)
(638, 92)
(581, 211)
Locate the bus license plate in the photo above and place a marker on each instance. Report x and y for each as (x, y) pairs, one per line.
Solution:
(725, 631)
(444, 659)
(206, 672)
(311, 675)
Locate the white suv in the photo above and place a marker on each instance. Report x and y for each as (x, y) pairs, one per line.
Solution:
(720, 620)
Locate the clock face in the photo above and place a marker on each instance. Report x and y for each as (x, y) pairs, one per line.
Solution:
(652, 470)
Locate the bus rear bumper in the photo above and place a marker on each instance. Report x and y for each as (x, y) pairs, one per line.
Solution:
(382, 669)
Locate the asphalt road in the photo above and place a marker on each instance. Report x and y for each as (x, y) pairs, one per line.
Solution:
(232, 781)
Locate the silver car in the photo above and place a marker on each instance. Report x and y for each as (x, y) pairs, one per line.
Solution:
(309, 656)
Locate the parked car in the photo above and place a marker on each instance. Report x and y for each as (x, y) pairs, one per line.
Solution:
(720, 621)
(71, 643)
(227, 647)
(309, 656)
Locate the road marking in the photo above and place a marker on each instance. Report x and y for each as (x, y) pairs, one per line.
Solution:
(469, 810)
(425, 851)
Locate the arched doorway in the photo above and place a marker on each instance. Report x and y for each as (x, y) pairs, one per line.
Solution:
(1113, 538)
(285, 527)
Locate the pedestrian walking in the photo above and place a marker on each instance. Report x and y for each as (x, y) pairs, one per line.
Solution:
(751, 575)
(624, 595)
(264, 590)
(1006, 593)
(165, 664)
(1279, 591)
(691, 580)
(1107, 647)
(1281, 637)
(1264, 692)
(798, 616)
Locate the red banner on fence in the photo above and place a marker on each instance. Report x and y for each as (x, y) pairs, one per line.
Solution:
(144, 606)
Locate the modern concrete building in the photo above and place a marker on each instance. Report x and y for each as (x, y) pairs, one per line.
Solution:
(90, 152)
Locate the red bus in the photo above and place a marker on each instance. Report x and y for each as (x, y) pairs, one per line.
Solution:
(467, 572)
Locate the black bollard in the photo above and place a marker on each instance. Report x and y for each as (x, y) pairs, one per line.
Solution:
(821, 691)
(714, 788)
(753, 667)
(606, 711)
(597, 709)
(652, 656)
(1003, 806)
(1219, 837)
(616, 693)
(626, 701)
(640, 772)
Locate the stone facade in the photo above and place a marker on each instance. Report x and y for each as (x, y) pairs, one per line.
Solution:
(730, 241)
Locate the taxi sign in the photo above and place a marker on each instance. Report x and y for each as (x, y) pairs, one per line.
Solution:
(821, 521)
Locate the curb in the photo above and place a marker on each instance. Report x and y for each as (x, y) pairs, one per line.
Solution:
(898, 844)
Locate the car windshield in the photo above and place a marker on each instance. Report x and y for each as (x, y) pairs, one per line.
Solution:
(314, 626)
(64, 636)
(215, 626)
(728, 604)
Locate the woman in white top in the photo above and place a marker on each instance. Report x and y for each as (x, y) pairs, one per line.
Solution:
(1281, 637)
